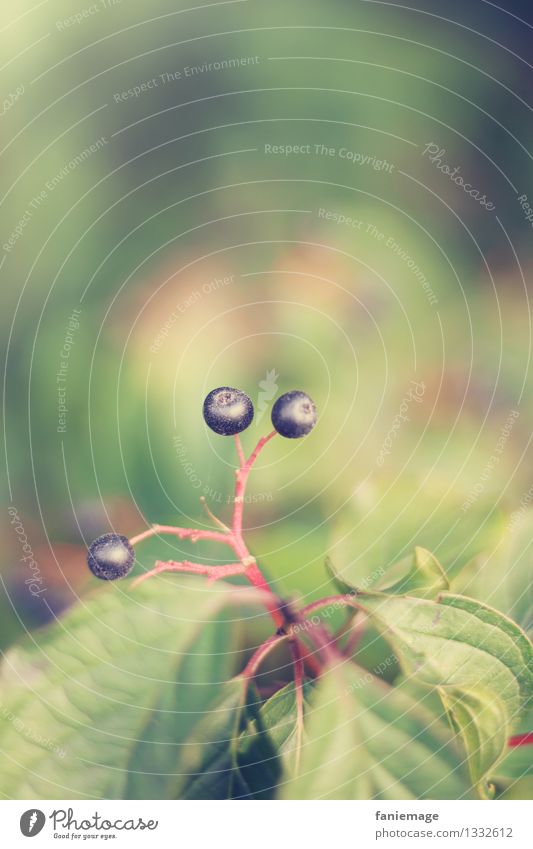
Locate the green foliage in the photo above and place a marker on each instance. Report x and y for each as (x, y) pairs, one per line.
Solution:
(134, 695)
(419, 574)
(366, 740)
(480, 660)
(103, 703)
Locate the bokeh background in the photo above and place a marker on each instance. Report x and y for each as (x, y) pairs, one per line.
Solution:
(200, 194)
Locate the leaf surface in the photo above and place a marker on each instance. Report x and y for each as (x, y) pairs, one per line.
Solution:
(480, 660)
(102, 704)
(367, 740)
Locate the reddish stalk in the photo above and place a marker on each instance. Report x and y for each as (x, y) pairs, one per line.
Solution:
(241, 478)
(228, 536)
(354, 636)
(194, 534)
(214, 573)
(521, 740)
(247, 566)
(257, 658)
(328, 601)
(240, 452)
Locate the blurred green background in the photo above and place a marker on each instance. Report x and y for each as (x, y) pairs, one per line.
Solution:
(237, 193)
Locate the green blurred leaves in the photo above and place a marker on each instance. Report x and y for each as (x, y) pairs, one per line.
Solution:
(106, 703)
(419, 574)
(366, 740)
(480, 660)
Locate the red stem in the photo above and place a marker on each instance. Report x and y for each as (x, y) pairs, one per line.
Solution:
(194, 534)
(240, 452)
(521, 740)
(241, 479)
(251, 570)
(327, 601)
(265, 648)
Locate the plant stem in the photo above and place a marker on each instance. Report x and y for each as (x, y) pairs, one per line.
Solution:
(247, 565)
(328, 601)
(241, 478)
(257, 658)
(194, 534)
(521, 740)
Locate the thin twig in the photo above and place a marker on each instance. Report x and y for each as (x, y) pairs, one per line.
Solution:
(264, 649)
(323, 642)
(212, 516)
(194, 534)
(214, 573)
(240, 452)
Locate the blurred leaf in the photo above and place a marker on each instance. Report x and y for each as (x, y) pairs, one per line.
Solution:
(505, 576)
(209, 758)
(419, 574)
(342, 585)
(268, 749)
(481, 721)
(102, 704)
(474, 654)
(373, 535)
(366, 740)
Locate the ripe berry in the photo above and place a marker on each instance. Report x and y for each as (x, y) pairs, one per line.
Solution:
(294, 414)
(111, 556)
(228, 411)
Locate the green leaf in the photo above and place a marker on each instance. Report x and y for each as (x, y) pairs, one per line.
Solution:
(342, 585)
(374, 532)
(367, 740)
(209, 758)
(481, 661)
(481, 721)
(269, 746)
(227, 761)
(419, 574)
(102, 703)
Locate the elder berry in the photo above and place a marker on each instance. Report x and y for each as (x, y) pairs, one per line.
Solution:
(228, 411)
(111, 556)
(294, 414)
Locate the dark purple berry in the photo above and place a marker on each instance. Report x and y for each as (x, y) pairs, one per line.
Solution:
(294, 414)
(111, 556)
(228, 411)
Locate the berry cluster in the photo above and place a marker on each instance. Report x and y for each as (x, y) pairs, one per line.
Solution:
(228, 412)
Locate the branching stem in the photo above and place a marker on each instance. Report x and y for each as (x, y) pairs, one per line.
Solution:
(323, 643)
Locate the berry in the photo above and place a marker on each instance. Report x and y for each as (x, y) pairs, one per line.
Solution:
(111, 556)
(294, 414)
(228, 411)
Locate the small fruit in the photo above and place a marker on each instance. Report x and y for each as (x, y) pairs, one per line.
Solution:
(294, 414)
(111, 556)
(228, 411)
